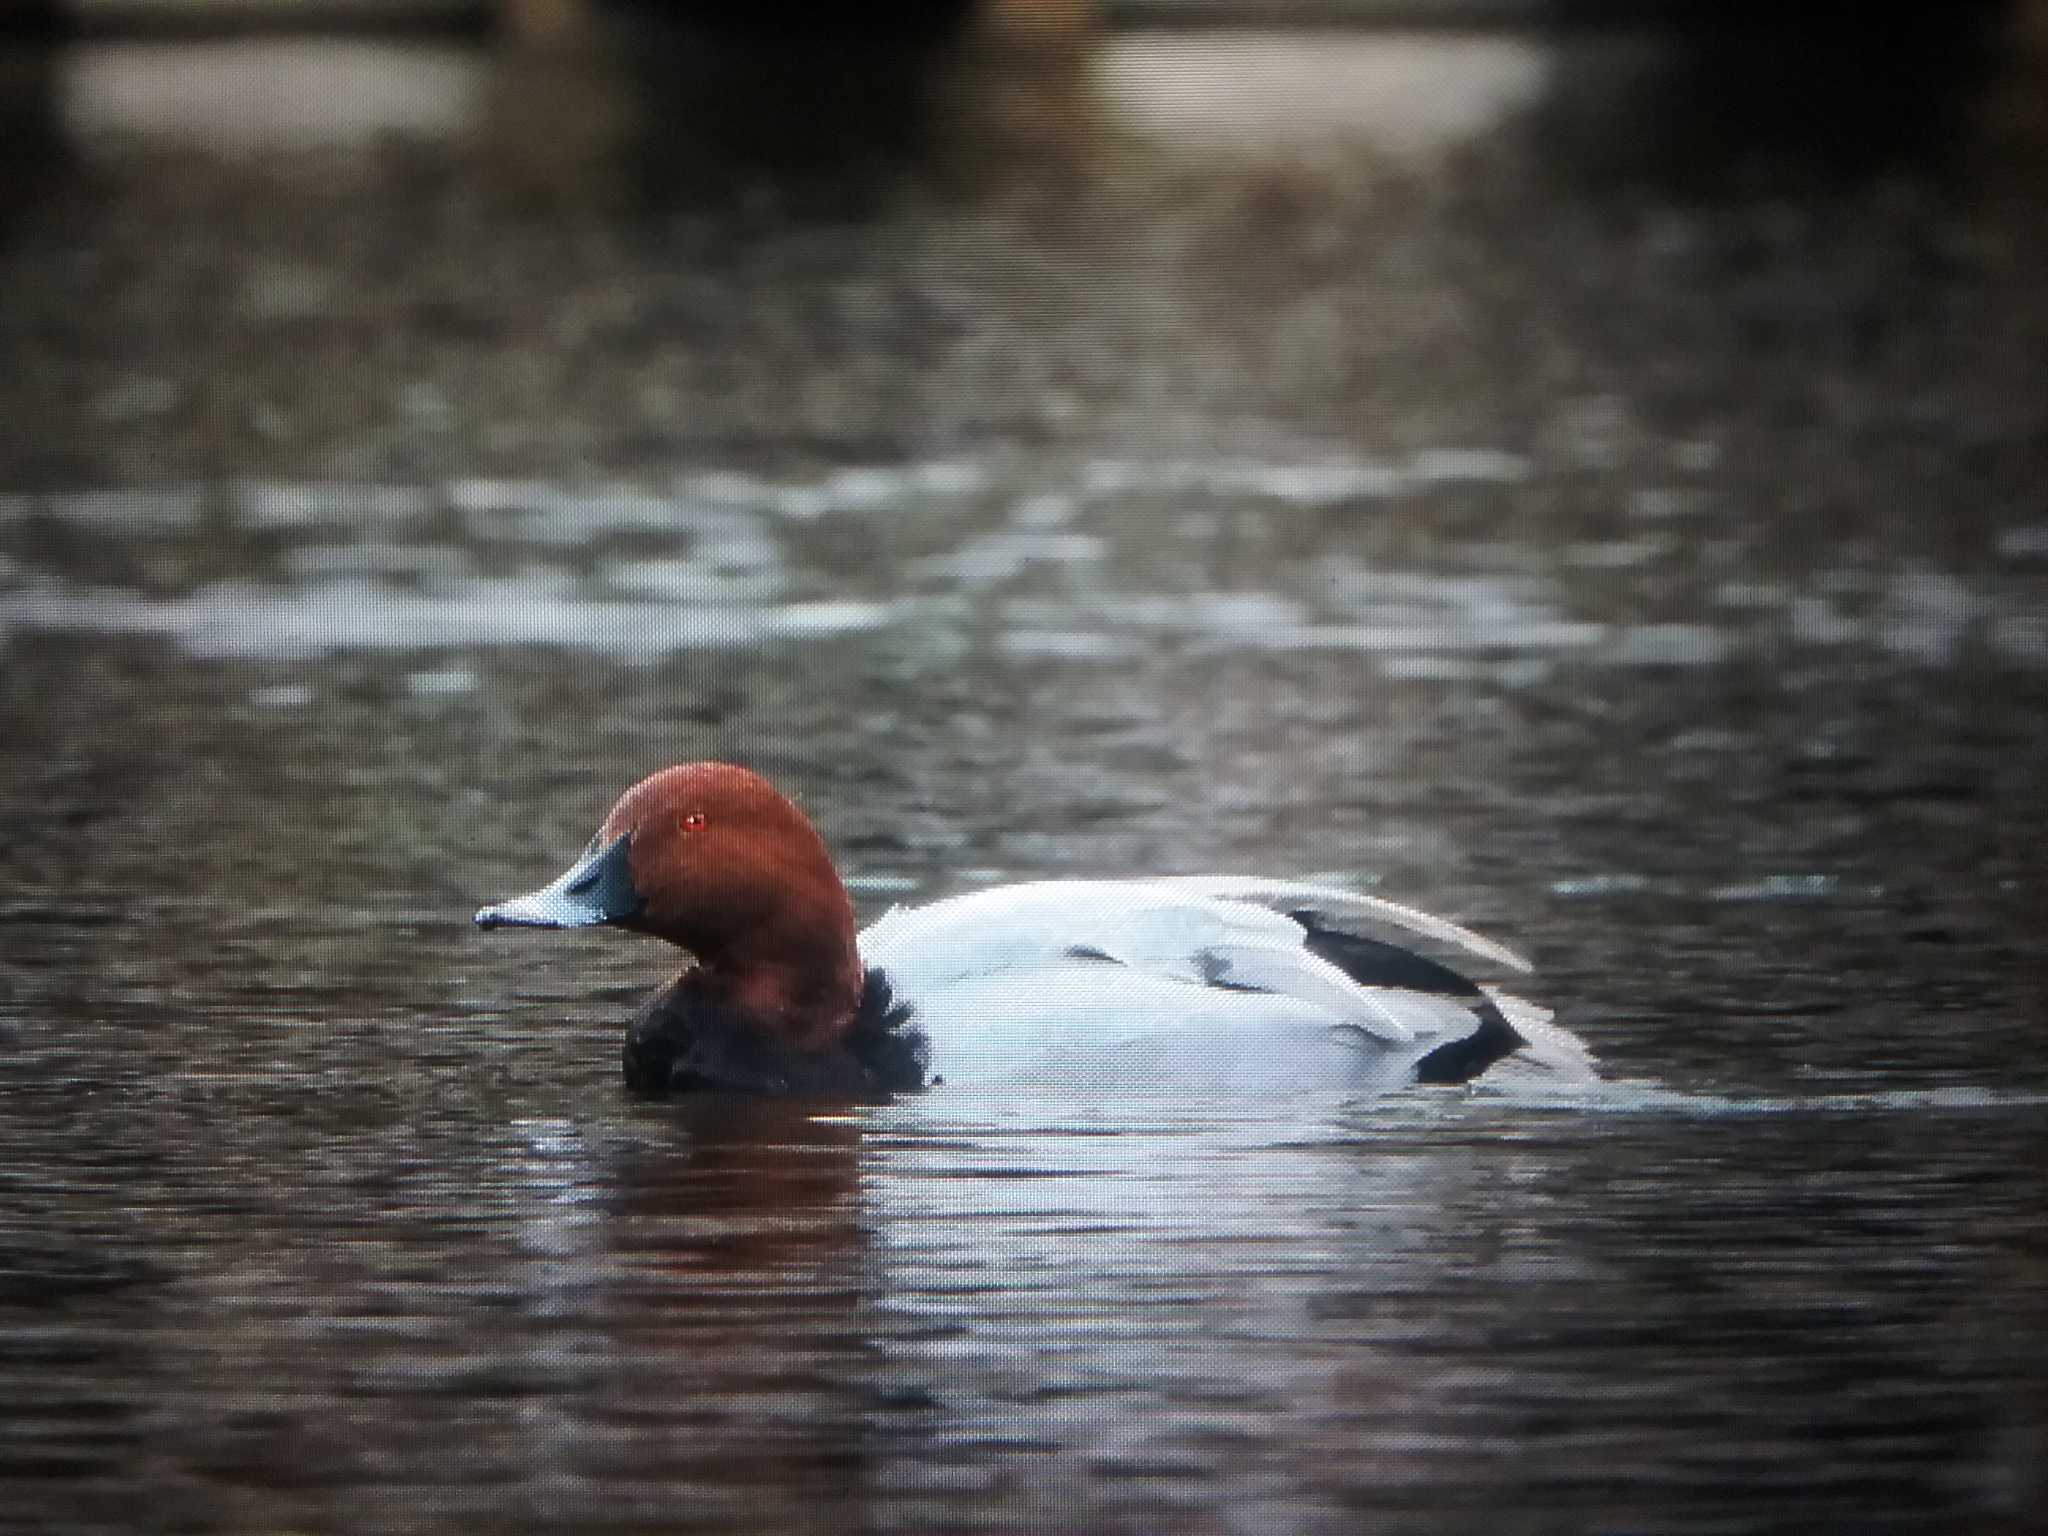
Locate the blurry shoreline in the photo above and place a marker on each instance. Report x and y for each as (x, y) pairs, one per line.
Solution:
(140, 19)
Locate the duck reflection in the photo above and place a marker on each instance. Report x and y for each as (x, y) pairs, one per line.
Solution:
(694, 1279)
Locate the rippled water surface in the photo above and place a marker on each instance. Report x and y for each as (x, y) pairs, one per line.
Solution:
(1086, 475)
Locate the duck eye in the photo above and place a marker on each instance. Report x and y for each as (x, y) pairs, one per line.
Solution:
(692, 820)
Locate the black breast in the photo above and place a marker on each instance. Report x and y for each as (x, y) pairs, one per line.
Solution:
(682, 1043)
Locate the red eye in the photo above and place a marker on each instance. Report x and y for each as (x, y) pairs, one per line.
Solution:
(692, 820)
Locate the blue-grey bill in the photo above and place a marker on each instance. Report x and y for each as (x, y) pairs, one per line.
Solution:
(598, 888)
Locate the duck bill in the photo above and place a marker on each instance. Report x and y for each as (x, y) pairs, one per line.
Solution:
(598, 888)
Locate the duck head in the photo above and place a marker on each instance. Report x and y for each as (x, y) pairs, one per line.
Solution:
(714, 859)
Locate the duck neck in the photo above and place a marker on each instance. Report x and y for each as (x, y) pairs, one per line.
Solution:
(798, 983)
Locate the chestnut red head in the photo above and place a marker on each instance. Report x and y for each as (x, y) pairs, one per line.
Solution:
(714, 859)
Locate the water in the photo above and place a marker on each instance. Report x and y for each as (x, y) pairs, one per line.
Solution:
(1650, 576)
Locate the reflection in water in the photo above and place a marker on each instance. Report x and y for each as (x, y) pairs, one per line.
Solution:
(1240, 93)
(724, 561)
(1723, 95)
(609, 101)
(32, 148)
(239, 98)
(696, 1282)
(665, 106)
(677, 105)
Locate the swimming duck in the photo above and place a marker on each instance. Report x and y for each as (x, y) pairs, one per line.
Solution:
(1220, 981)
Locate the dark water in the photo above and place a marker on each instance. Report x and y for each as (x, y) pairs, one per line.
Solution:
(1341, 469)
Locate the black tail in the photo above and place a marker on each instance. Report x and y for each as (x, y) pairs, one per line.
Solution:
(1372, 963)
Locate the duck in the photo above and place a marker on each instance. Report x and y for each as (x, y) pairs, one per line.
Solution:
(1207, 982)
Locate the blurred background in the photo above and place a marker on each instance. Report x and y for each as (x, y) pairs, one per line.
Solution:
(1578, 466)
